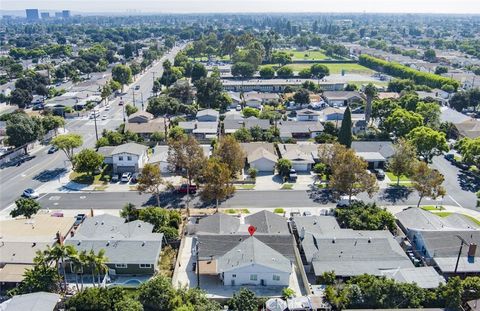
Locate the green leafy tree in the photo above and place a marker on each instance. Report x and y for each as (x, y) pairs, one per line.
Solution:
(151, 181)
(345, 133)
(198, 71)
(370, 91)
(267, 72)
(243, 135)
(217, 181)
(243, 69)
(285, 72)
(186, 157)
(130, 109)
(210, 93)
(382, 108)
(39, 278)
(427, 182)
(319, 71)
(361, 216)
(470, 150)
(156, 294)
(402, 121)
(302, 96)
(122, 74)
(67, 143)
(401, 162)
(25, 207)
(229, 151)
(21, 97)
(283, 167)
(157, 137)
(427, 142)
(128, 304)
(87, 161)
(129, 212)
(52, 123)
(250, 112)
(21, 130)
(430, 113)
(243, 300)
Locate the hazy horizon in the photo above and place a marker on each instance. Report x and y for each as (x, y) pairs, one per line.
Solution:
(248, 6)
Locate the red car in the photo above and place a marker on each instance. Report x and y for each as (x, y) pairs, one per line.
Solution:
(183, 189)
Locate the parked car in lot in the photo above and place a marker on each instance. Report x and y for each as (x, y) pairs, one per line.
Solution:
(238, 108)
(292, 175)
(126, 177)
(114, 178)
(52, 149)
(104, 117)
(137, 87)
(30, 193)
(380, 173)
(79, 219)
(345, 202)
(183, 189)
(135, 177)
(449, 157)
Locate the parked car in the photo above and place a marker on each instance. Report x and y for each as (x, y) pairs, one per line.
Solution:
(79, 219)
(135, 177)
(292, 175)
(126, 177)
(307, 213)
(104, 117)
(30, 193)
(52, 149)
(345, 202)
(238, 108)
(114, 178)
(38, 107)
(183, 189)
(137, 87)
(449, 157)
(107, 107)
(380, 173)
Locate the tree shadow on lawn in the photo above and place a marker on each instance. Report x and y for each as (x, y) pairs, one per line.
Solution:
(395, 193)
(468, 181)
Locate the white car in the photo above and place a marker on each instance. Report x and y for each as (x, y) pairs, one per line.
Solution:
(126, 177)
(107, 107)
(104, 117)
(30, 193)
(345, 202)
(238, 108)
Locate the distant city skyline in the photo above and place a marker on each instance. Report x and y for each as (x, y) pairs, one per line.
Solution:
(205, 6)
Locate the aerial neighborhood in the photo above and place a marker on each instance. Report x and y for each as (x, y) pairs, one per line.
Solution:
(204, 162)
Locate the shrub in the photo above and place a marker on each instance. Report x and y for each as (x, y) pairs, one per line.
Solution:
(279, 210)
(252, 172)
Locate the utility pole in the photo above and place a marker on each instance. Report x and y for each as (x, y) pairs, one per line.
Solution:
(141, 95)
(95, 120)
(198, 265)
(133, 92)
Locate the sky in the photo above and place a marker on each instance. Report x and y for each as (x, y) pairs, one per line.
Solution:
(205, 6)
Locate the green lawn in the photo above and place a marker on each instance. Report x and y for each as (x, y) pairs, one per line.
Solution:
(443, 214)
(287, 187)
(432, 208)
(86, 179)
(306, 55)
(279, 210)
(402, 184)
(334, 68)
(475, 220)
(393, 177)
(245, 187)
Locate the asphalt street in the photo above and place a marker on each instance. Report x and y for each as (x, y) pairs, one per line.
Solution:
(43, 166)
(241, 199)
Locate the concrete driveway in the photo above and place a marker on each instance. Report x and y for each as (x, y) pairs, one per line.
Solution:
(268, 181)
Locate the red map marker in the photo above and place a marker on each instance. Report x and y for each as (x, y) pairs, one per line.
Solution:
(251, 230)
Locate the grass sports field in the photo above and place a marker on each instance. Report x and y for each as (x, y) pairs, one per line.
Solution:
(335, 68)
(306, 55)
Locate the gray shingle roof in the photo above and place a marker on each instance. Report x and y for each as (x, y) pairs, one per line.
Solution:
(131, 242)
(385, 148)
(268, 222)
(132, 148)
(40, 301)
(253, 251)
(425, 277)
(219, 223)
(208, 112)
(416, 218)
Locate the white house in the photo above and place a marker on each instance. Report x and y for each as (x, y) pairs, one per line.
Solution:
(130, 157)
(308, 115)
(252, 262)
(160, 158)
(260, 155)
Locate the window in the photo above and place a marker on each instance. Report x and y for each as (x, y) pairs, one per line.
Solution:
(253, 277)
(276, 277)
(129, 158)
(120, 158)
(120, 265)
(234, 275)
(145, 265)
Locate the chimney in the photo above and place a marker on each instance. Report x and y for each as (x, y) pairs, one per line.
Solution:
(472, 249)
(91, 212)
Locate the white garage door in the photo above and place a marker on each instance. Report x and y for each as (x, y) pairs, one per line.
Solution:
(300, 167)
(263, 165)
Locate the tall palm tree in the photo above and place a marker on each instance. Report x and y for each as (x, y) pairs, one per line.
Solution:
(370, 91)
(90, 260)
(84, 262)
(101, 264)
(58, 254)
